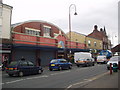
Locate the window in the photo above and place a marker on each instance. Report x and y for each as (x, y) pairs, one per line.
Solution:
(63, 61)
(32, 31)
(54, 61)
(30, 63)
(89, 43)
(24, 63)
(95, 44)
(47, 31)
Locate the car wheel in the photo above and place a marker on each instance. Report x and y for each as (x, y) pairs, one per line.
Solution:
(78, 65)
(60, 68)
(39, 71)
(20, 74)
(70, 67)
(50, 69)
(10, 75)
(93, 64)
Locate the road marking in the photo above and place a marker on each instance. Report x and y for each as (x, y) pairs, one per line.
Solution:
(1, 83)
(24, 79)
(87, 80)
(14, 81)
(38, 77)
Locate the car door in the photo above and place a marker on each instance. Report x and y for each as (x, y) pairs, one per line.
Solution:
(62, 64)
(65, 64)
(32, 68)
(24, 67)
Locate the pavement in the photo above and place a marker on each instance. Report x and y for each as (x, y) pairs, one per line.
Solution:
(106, 81)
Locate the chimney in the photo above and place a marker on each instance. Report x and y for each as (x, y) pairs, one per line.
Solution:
(95, 27)
(101, 29)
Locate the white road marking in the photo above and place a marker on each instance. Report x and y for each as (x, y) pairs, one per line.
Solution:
(38, 77)
(24, 79)
(14, 81)
(87, 80)
(1, 83)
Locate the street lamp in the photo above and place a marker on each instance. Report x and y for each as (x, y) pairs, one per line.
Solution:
(70, 22)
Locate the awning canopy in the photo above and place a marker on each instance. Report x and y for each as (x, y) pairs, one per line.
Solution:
(36, 47)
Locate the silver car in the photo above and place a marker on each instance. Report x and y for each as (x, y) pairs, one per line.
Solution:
(114, 59)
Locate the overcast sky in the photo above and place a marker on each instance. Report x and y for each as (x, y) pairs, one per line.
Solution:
(90, 13)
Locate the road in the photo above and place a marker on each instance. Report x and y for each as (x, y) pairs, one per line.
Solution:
(55, 79)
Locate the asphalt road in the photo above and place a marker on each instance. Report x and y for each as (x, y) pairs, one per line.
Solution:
(55, 79)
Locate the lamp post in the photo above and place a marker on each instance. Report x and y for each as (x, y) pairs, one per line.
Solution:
(70, 23)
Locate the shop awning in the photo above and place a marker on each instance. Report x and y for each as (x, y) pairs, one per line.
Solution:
(36, 47)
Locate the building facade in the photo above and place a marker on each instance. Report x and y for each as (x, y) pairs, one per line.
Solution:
(89, 42)
(102, 35)
(33, 39)
(5, 31)
(93, 43)
(77, 37)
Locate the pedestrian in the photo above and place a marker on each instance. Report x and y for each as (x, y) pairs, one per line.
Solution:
(39, 61)
(5, 63)
(22, 58)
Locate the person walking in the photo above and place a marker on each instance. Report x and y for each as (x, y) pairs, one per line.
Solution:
(22, 58)
(39, 62)
(5, 63)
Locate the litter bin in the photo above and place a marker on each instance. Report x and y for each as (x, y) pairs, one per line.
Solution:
(115, 67)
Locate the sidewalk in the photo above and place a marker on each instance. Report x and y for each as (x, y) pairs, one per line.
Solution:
(106, 81)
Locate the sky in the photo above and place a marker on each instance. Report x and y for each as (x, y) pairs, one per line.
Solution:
(90, 13)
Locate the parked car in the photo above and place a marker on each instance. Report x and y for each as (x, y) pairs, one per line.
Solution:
(83, 59)
(59, 64)
(102, 59)
(114, 59)
(23, 67)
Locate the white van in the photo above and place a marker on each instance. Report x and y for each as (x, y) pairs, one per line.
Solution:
(83, 59)
(101, 59)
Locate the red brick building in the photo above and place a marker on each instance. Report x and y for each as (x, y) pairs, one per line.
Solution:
(102, 36)
(33, 39)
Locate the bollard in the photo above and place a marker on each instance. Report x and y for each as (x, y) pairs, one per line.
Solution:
(110, 68)
(115, 67)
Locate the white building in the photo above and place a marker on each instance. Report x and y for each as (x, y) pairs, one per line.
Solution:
(5, 21)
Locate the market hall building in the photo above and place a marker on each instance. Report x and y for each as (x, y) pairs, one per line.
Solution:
(39, 39)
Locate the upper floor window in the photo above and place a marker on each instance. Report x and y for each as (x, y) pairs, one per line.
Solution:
(89, 43)
(32, 31)
(47, 31)
(95, 44)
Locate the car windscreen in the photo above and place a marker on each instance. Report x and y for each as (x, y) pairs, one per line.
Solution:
(82, 59)
(13, 63)
(101, 57)
(63, 61)
(53, 61)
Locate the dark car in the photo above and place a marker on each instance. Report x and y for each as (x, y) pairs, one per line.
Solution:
(23, 67)
(59, 64)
